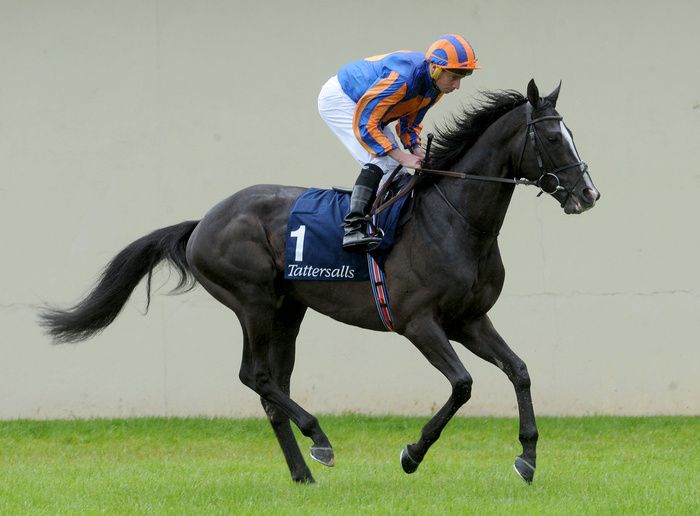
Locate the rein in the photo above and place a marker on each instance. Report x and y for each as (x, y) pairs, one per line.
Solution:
(462, 175)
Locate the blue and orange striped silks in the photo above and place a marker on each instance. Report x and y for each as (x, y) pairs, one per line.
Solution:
(387, 88)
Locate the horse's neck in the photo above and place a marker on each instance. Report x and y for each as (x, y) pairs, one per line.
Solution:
(483, 204)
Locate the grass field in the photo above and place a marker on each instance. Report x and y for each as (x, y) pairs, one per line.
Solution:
(599, 465)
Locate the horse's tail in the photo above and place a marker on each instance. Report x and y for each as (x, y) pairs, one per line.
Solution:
(99, 308)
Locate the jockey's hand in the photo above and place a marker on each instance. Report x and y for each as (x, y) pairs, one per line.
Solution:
(406, 159)
(418, 151)
(411, 161)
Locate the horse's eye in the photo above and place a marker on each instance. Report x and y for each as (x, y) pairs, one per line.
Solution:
(554, 138)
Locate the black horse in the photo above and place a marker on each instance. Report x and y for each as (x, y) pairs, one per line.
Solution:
(444, 272)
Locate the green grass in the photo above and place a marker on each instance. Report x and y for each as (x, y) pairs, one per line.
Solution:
(597, 465)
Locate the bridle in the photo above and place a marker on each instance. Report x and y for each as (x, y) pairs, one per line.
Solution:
(539, 149)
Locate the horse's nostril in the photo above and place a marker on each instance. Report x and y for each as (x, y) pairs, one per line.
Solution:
(590, 195)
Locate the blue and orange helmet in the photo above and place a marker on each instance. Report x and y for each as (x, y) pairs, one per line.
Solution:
(452, 52)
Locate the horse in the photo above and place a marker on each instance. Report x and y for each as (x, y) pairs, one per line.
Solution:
(444, 272)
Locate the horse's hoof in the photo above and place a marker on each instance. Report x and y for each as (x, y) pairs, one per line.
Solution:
(408, 463)
(324, 455)
(524, 469)
(304, 479)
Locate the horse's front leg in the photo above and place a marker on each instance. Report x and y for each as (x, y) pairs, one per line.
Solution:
(482, 339)
(431, 340)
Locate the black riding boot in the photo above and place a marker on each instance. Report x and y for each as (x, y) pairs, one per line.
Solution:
(356, 239)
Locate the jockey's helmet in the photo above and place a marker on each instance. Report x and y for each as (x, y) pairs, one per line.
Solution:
(451, 52)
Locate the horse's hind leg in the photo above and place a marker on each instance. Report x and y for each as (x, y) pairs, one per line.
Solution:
(266, 331)
(281, 362)
(272, 351)
(482, 339)
(235, 254)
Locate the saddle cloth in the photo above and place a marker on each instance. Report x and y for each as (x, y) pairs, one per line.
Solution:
(314, 247)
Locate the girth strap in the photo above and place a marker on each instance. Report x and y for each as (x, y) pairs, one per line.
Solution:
(381, 293)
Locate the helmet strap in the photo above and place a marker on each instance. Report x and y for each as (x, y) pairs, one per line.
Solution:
(435, 72)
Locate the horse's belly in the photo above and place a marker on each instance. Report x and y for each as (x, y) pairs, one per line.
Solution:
(350, 302)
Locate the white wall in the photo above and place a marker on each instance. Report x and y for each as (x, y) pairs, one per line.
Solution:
(117, 118)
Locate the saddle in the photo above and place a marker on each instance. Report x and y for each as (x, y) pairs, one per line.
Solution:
(313, 250)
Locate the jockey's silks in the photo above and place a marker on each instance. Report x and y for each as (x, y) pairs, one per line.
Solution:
(386, 88)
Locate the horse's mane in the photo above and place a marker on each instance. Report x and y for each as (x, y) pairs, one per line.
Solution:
(458, 135)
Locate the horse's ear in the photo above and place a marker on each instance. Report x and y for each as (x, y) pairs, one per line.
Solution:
(533, 94)
(552, 97)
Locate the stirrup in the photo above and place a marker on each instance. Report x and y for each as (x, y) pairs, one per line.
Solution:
(357, 241)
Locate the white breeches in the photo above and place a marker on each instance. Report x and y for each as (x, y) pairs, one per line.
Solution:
(338, 110)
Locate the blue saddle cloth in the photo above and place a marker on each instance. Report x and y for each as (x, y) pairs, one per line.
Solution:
(314, 248)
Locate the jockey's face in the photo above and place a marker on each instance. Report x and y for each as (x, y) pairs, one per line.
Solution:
(448, 81)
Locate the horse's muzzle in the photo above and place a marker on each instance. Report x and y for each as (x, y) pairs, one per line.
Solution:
(582, 201)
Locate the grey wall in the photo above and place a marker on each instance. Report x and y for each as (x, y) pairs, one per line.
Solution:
(117, 118)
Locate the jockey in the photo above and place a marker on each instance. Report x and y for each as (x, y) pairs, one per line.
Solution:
(366, 96)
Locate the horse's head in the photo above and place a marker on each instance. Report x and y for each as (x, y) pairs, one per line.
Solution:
(550, 158)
